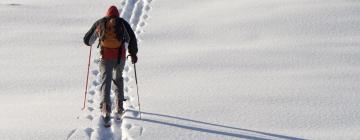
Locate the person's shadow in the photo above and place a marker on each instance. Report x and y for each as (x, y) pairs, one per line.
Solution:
(241, 133)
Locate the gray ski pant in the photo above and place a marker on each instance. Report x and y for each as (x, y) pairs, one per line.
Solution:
(111, 72)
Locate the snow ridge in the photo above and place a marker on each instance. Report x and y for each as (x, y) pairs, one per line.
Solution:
(137, 19)
(134, 11)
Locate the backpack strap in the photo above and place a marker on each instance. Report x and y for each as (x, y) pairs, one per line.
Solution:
(98, 44)
(102, 27)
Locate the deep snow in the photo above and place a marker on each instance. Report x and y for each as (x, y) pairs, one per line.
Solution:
(235, 69)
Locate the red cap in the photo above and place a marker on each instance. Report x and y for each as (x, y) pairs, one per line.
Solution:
(112, 11)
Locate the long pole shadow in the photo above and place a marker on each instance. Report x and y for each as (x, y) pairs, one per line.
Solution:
(210, 130)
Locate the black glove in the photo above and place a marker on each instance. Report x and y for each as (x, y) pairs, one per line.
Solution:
(134, 59)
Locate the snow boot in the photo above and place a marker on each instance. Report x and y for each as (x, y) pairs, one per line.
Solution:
(119, 110)
(105, 108)
(107, 118)
(119, 113)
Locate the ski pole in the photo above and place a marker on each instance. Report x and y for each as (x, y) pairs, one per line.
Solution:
(87, 78)
(137, 90)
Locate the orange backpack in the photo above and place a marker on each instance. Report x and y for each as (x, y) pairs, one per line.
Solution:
(111, 44)
(107, 31)
(109, 38)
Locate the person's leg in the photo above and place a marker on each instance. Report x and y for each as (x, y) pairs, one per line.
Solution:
(106, 69)
(119, 86)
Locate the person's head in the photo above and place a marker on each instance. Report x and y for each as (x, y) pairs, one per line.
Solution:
(112, 12)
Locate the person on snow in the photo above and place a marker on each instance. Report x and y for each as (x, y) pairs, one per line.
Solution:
(114, 35)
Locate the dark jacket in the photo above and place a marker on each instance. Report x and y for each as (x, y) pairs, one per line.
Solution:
(93, 34)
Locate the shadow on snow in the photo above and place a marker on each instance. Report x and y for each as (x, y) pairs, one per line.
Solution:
(208, 130)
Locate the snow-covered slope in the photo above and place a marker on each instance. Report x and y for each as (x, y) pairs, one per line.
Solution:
(234, 69)
(43, 65)
(225, 69)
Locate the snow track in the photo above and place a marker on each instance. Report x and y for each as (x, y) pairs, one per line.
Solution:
(134, 11)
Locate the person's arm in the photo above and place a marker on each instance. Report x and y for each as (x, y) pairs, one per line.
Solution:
(133, 47)
(91, 36)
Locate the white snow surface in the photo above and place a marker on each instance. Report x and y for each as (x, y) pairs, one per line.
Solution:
(208, 69)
